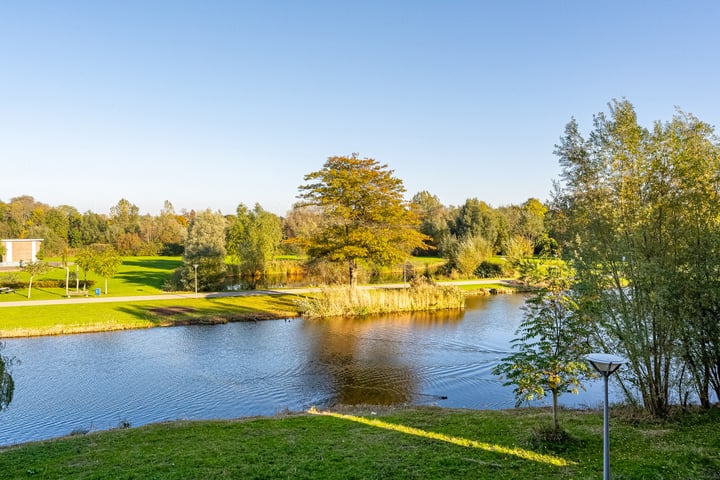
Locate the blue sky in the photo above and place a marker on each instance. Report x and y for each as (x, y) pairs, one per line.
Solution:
(212, 103)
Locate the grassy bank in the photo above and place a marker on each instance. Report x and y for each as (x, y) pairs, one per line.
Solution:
(98, 317)
(413, 443)
(353, 302)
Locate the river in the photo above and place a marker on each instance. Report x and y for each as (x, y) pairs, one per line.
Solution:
(98, 381)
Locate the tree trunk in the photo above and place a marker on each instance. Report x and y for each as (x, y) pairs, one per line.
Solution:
(30, 286)
(353, 271)
(556, 422)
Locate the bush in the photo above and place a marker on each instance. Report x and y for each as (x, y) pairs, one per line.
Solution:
(489, 269)
(172, 250)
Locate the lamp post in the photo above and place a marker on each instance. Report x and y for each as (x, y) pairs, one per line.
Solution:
(606, 364)
(195, 265)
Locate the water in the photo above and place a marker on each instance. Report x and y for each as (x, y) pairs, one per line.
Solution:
(96, 381)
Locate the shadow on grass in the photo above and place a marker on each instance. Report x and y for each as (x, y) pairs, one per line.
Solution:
(168, 264)
(45, 291)
(144, 278)
(220, 311)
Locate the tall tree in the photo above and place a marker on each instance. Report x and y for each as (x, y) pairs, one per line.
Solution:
(366, 217)
(124, 223)
(169, 230)
(476, 217)
(205, 247)
(433, 216)
(254, 240)
(638, 208)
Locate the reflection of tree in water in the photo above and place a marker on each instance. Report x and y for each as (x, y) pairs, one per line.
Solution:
(363, 363)
(7, 385)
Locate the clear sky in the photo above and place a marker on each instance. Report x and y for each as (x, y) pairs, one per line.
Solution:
(211, 103)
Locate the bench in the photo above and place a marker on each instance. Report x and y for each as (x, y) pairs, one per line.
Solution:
(6, 290)
(77, 293)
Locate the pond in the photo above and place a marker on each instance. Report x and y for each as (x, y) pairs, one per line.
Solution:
(98, 381)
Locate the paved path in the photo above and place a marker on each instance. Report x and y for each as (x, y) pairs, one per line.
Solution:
(186, 296)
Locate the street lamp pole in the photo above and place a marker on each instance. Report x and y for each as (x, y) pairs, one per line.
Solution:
(195, 266)
(606, 364)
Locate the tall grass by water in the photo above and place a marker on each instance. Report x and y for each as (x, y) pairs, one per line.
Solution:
(353, 302)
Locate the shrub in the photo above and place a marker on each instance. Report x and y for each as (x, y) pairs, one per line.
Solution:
(488, 269)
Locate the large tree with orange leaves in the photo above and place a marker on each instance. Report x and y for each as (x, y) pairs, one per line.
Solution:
(365, 214)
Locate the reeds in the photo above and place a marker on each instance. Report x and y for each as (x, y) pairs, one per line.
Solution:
(353, 302)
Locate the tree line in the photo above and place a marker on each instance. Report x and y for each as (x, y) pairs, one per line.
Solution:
(466, 235)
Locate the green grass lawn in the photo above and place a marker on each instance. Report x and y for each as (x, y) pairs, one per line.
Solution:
(92, 317)
(410, 443)
(136, 276)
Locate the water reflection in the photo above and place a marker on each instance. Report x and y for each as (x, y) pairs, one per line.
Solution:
(363, 361)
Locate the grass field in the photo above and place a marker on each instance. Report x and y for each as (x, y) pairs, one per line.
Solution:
(136, 276)
(410, 443)
(94, 317)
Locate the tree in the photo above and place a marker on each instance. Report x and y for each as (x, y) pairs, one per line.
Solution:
(169, 230)
(532, 220)
(518, 248)
(33, 269)
(205, 247)
(85, 259)
(638, 210)
(550, 341)
(475, 217)
(366, 217)
(7, 385)
(433, 216)
(301, 222)
(106, 264)
(254, 240)
(469, 253)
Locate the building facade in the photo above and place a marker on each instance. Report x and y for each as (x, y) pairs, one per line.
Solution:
(19, 250)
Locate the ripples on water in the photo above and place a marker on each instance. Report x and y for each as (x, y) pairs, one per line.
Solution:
(95, 381)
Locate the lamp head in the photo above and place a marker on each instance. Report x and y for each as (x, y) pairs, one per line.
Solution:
(605, 363)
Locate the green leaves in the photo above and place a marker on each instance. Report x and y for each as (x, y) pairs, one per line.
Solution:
(639, 210)
(364, 214)
(550, 341)
(254, 239)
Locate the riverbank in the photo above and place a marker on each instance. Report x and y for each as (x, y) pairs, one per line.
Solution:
(60, 316)
(377, 442)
